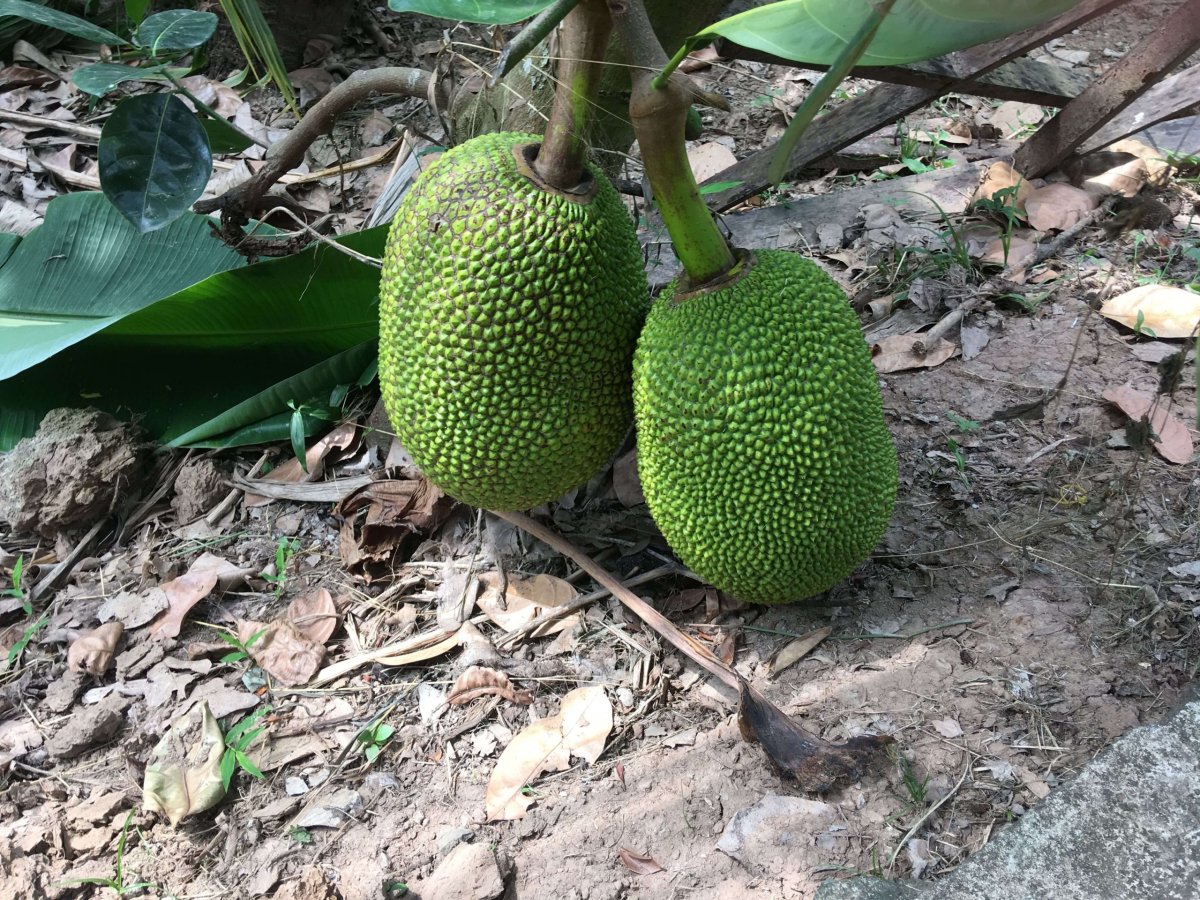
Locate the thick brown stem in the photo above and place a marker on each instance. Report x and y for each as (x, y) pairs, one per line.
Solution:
(237, 203)
(582, 42)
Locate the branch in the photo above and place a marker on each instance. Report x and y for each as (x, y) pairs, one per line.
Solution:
(238, 203)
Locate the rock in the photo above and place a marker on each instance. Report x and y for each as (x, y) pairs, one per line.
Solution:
(767, 833)
(62, 692)
(311, 885)
(70, 473)
(200, 486)
(332, 811)
(88, 727)
(470, 872)
(450, 837)
(96, 810)
(1124, 827)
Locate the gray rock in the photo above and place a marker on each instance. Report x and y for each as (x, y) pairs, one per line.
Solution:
(88, 727)
(450, 837)
(1124, 829)
(765, 834)
(470, 872)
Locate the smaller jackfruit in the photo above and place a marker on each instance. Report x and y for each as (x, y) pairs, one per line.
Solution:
(762, 448)
(509, 312)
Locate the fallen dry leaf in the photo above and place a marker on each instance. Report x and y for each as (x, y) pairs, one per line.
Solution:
(795, 650)
(999, 177)
(581, 728)
(202, 577)
(895, 353)
(1012, 117)
(1172, 440)
(710, 159)
(524, 598)
(314, 616)
(626, 483)
(699, 60)
(291, 472)
(93, 652)
(1057, 207)
(948, 728)
(183, 776)
(479, 681)
(1158, 170)
(1021, 250)
(1170, 312)
(384, 520)
(282, 650)
(1125, 179)
(638, 863)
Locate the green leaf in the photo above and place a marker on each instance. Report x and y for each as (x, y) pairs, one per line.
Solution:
(98, 79)
(248, 764)
(72, 25)
(223, 137)
(296, 435)
(85, 267)
(235, 656)
(136, 9)
(228, 766)
(176, 29)
(487, 12)
(717, 186)
(248, 738)
(257, 43)
(154, 159)
(815, 31)
(223, 354)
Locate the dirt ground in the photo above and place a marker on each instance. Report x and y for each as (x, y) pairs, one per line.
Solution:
(1035, 597)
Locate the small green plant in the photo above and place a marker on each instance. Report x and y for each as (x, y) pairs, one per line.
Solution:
(285, 549)
(237, 741)
(1003, 206)
(300, 835)
(15, 651)
(17, 589)
(241, 649)
(917, 788)
(1140, 327)
(960, 458)
(117, 882)
(374, 739)
(966, 426)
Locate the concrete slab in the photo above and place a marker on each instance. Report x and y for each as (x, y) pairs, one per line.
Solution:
(1126, 828)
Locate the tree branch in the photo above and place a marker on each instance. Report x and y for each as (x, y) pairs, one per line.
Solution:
(238, 203)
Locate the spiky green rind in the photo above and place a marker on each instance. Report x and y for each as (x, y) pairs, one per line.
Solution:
(508, 320)
(762, 447)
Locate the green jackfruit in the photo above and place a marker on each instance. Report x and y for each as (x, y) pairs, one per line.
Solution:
(509, 312)
(762, 447)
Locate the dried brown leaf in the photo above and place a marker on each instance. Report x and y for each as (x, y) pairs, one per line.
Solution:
(479, 681)
(699, 60)
(582, 726)
(93, 652)
(626, 483)
(1056, 207)
(1172, 440)
(524, 598)
(639, 863)
(282, 650)
(710, 159)
(1170, 312)
(291, 472)
(183, 776)
(795, 650)
(1013, 116)
(895, 353)
(382, 521)
(314, 616)
(1001, 176)
(204, 575)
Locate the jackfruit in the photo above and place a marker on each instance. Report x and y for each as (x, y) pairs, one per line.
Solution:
(509, 313)
(762, 447)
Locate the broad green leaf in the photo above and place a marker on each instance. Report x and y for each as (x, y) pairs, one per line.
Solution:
(223, 137)
(73, 25)
(85, 267)
(98, 79)
(220, 355)
(176, 29)
(487, 12)
(136, 9)
(154, 159)
(815, 31)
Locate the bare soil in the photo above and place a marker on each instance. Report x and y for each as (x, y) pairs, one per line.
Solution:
(1020, 615)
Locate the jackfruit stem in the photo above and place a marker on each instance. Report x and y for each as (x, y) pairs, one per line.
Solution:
(659, 118)
(583, 40)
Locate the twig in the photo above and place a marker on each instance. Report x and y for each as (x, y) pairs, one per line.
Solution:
(692, 649)
(557, 612)
(89, 132)
(996, 283)
(288, 152)
(929, 812)
(218, 512)
(870, 635)
(56, 575)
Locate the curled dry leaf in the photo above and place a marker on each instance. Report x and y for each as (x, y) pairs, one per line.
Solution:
(999, 177)
(524, 598)
(639, 863)
(384, 520)
(282, 650)
(895, 353)
(1158, 170)
(291, 472)
(1125, 179)
(582, 726)
(795, 650)
(314, 616)
(202, 577)
(626, 483)
(1014, 116)
(1171, 440)
(1170, 312)
(93, 652)
(479, 681)
(1056, 207)
(183, 776)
